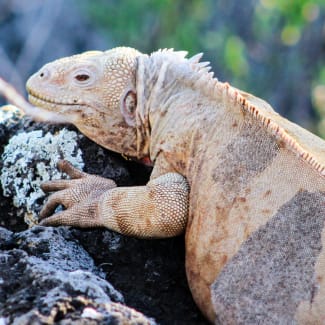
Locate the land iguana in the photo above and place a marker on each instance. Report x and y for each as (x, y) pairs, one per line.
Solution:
(245, 185)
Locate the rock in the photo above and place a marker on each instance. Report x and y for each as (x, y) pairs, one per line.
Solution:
(5, 237)
(149, 273)
(47, 277)
(82, 311)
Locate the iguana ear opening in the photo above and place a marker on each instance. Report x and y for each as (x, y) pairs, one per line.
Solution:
(128, 106)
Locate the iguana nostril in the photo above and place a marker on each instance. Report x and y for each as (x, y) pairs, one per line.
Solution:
(44, 73)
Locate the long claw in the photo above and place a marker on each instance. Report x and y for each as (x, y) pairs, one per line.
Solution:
(70, 218)
(55, 220)
(61, 219)
(46, 212)
(66, 167)
(53, 202)
(56, 185)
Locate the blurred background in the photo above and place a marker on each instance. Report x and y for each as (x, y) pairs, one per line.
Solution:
(274, 49)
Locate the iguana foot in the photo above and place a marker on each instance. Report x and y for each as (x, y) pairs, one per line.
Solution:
(79, 195)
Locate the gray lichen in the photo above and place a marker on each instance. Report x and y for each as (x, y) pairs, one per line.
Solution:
(9, 114)
(29, 159)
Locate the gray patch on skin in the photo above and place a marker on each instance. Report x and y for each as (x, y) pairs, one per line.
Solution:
(247, 155)
(274, 269)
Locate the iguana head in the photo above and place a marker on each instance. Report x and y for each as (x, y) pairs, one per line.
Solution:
(95, 91)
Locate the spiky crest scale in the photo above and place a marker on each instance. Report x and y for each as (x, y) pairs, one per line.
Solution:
(210, 87)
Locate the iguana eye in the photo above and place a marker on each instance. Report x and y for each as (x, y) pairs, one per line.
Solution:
(82, 77)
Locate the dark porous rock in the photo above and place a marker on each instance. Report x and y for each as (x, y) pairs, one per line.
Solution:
(5, 237)
(149, 273)
(47, 277)
(81, 311)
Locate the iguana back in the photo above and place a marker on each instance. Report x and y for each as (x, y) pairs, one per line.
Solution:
(257, 210)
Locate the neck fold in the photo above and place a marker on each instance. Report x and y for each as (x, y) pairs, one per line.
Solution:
(142, 112)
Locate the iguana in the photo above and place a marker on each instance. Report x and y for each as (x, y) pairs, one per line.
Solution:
(245, 185)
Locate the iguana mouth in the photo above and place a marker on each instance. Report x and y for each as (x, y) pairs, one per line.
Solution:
(41, 100)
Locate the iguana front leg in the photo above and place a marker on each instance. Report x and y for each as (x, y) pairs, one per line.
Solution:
(159, 209)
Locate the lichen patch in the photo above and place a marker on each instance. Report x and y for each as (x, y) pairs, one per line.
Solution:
(29, 159)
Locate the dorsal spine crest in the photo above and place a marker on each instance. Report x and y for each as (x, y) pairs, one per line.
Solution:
(198, 75)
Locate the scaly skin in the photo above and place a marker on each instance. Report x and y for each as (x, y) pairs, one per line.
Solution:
(246, 185)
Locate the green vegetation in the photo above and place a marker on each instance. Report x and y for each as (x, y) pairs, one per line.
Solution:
(272, 48)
